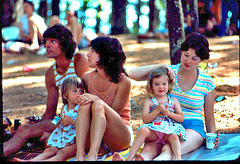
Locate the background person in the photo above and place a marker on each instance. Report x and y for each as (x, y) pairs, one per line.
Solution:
(31, 26)
(75, 27)
(207, 22)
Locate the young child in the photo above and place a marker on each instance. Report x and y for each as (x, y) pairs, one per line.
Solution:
(62, 140)
(161, 112)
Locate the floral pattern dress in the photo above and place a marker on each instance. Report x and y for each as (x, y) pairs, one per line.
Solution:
(165, 124)
(64, 135)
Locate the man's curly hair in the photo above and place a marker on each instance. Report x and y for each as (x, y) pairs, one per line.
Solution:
(112, 57)
(64, 36)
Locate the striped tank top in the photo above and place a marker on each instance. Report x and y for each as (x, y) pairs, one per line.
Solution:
(192, 101)
(70, 72)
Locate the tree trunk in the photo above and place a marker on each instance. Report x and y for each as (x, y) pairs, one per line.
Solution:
(43, 9)
(98, 19)
(138, 7)
(194, 15)
(55, 7)
(175, 22)
(151, 15)
(119, 25)
(7, 12)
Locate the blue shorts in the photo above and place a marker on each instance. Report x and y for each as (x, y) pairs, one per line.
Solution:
(196, 125)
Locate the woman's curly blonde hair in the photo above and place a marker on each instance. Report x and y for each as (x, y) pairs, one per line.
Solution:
(156, 73)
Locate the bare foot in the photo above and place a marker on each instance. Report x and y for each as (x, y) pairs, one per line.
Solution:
(80, 158)
(19, 160)
(178, 158)
(139, 157)
(117, 157)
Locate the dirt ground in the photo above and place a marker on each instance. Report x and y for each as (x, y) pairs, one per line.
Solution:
(24, 93)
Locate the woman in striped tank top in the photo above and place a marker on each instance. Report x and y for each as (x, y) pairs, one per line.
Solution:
(103, 120)
(194, 91)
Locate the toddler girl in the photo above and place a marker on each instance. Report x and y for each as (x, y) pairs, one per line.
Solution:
(161, 112)
(62, 140)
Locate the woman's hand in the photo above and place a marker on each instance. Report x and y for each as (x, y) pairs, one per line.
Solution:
(216, 141)
(171, 74)
(86, 98)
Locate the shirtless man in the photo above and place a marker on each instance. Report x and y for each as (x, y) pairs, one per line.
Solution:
(60, 46)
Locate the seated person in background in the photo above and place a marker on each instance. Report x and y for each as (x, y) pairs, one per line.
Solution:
(75, 27)
(28, 34)
(157, 34)
(31, 27)
(207, 22)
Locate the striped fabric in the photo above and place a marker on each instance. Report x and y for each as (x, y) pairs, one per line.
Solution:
(70, 72)
(192, 102)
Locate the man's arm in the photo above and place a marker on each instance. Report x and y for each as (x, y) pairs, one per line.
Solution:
(52, 95)
(81, 64)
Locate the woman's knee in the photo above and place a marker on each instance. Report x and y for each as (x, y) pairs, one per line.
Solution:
(144, 131)
(98, 106)
(84, 109)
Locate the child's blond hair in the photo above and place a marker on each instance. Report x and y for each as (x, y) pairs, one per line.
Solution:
(156, 73)
(68, 84)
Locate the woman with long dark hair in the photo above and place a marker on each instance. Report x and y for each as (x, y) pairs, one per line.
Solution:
(103, 119)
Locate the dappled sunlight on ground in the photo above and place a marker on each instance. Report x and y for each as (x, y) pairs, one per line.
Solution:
(23, 81)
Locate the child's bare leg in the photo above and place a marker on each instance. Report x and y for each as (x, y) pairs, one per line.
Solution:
(47, 153)
(64, 153)
(151, 150)
(173, 139)
(143, 134)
